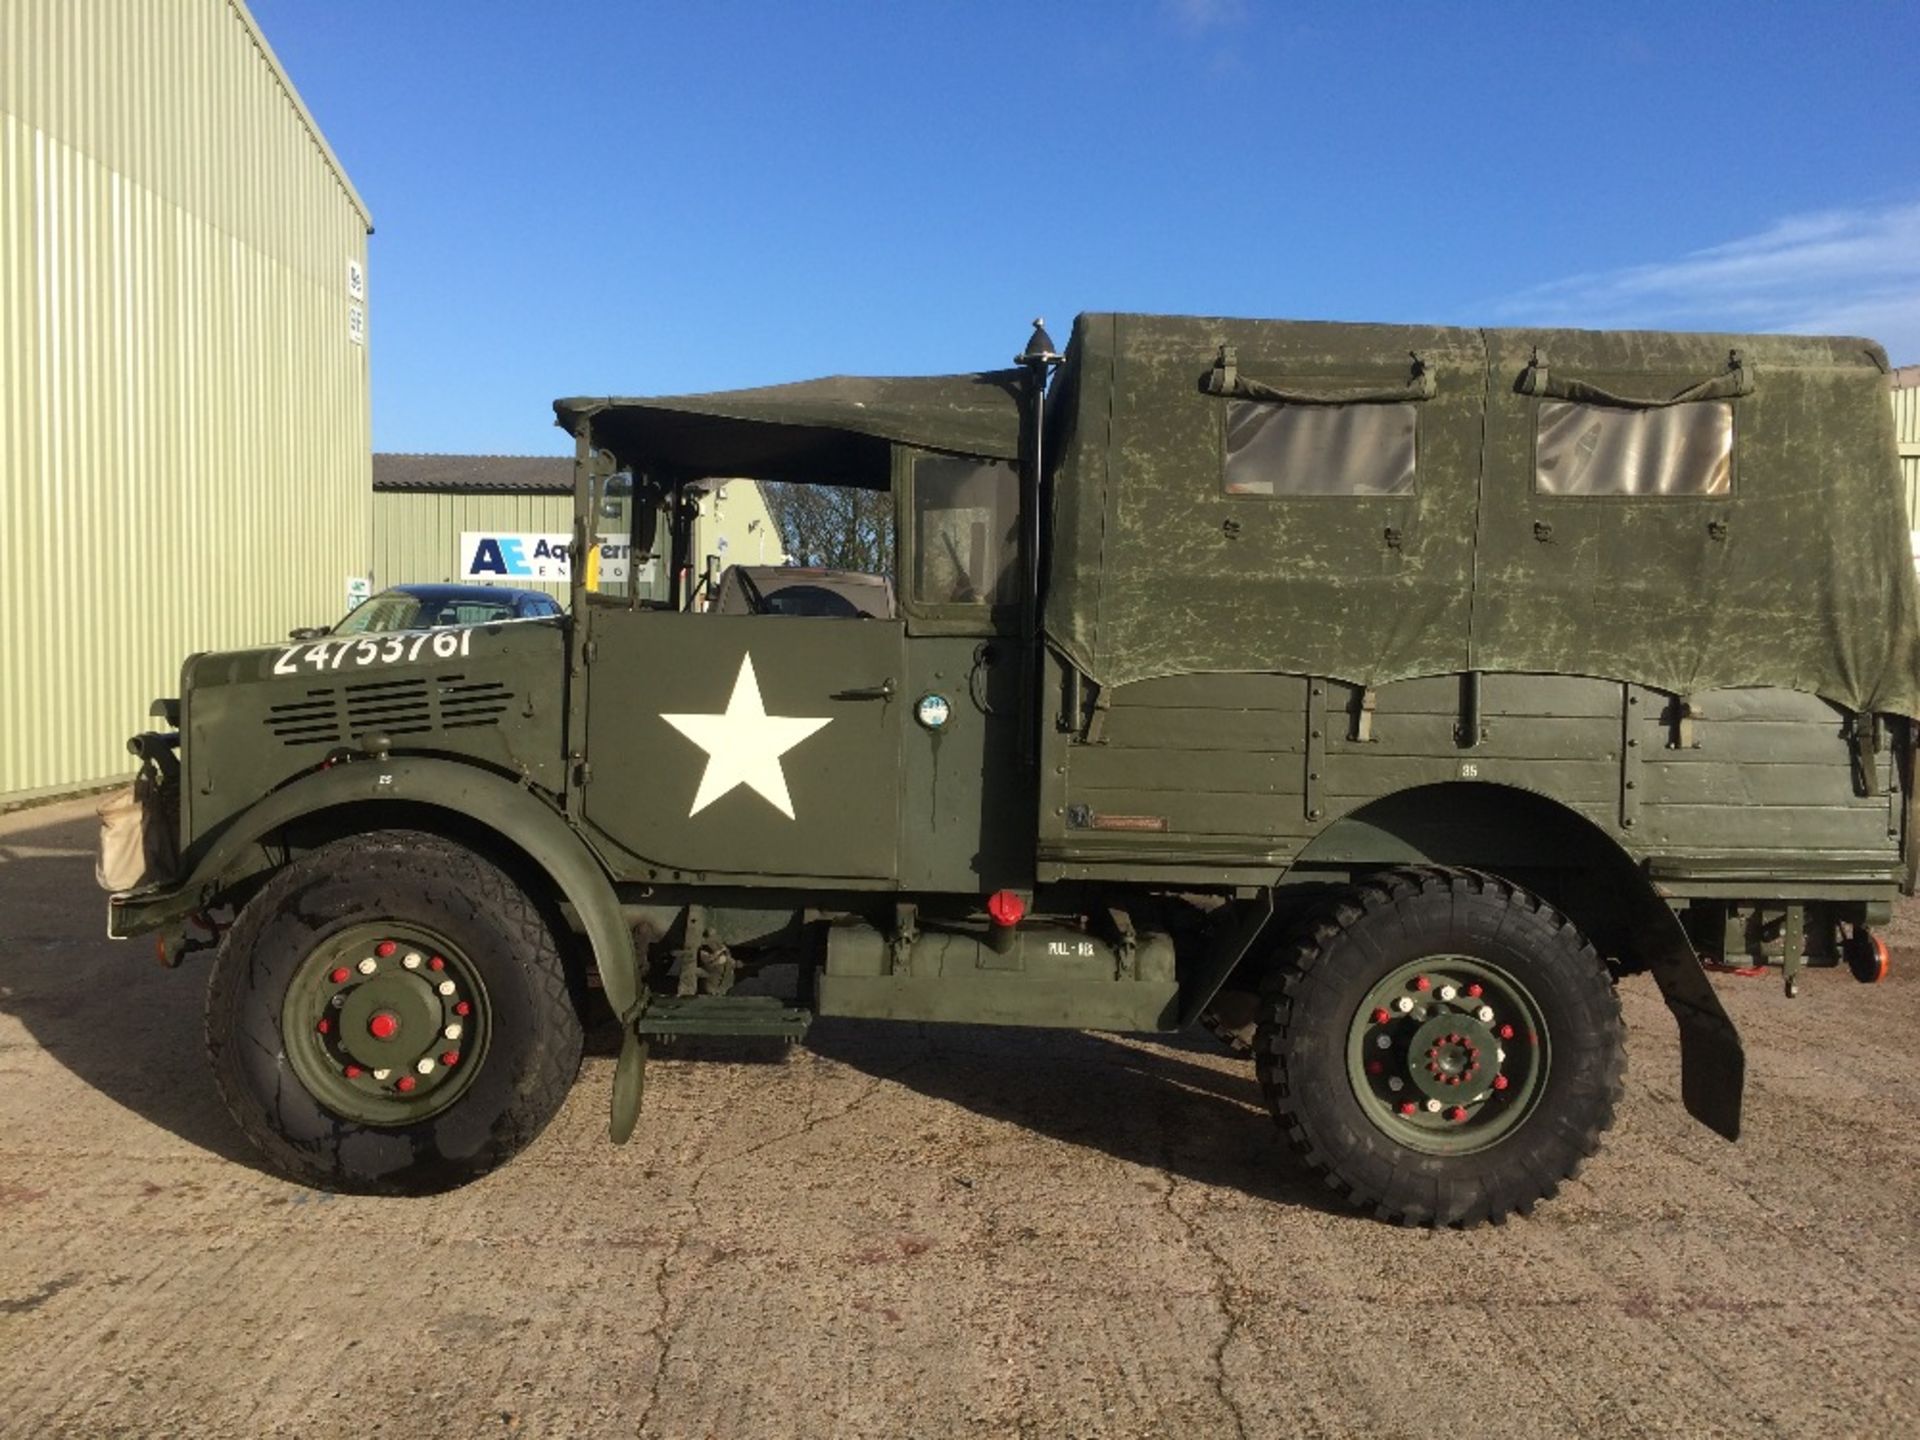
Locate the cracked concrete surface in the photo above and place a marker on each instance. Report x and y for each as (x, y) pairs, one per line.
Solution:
(904, 1230)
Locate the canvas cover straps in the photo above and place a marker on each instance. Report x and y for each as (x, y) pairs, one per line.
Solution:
(1226, 380)
(1539, 379)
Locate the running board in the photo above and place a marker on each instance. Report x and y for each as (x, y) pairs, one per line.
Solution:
(667, 1016)
(721, 1015)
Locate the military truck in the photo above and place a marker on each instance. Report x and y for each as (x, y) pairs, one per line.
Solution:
(1378, 695)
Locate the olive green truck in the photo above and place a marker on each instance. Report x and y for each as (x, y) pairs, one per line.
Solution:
(1377, 696)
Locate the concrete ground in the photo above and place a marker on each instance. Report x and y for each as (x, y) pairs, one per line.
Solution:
(912, 1231)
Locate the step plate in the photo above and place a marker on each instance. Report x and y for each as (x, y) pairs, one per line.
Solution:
(722, 1015)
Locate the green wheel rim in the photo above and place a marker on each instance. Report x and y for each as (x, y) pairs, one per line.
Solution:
(1448, 1054)
(386, 1023)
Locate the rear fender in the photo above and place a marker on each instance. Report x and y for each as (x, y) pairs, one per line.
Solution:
(466, 796)
(1526, 837)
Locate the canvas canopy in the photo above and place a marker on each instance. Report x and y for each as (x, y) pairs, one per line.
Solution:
(1684, 511)
(1786, 563)
(832, 430)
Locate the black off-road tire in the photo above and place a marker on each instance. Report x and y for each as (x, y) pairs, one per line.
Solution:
(1327, 971)
(533, 1026)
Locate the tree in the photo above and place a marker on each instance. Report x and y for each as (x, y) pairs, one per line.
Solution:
(837, 527)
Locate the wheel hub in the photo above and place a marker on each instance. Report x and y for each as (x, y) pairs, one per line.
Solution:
(384, 1026)
(1446, 1054)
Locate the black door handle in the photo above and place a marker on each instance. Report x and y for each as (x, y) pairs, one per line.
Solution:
(882, 691)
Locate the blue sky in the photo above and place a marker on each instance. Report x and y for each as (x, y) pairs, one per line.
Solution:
(640, 198)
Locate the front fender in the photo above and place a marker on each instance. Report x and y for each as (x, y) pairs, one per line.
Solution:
(462, 792)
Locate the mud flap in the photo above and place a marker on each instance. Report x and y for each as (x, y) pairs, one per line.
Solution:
(1713, 1064)
(629, 1087)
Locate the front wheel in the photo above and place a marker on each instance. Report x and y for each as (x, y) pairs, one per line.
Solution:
(1443, 1046)
(390, 1014)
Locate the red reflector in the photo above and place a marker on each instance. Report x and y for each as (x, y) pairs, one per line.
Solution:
(1006, 908)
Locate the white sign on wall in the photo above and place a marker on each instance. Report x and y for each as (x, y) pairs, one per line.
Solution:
(533, 555)
(356, 324)
(522, 555)
(356, 281)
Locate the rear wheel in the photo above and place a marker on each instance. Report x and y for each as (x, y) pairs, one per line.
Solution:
(1442, 1046)
(390, 1014)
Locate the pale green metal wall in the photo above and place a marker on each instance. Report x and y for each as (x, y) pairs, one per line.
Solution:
(1906, 422)
(416, 533)
(734, 512)
(184, 429)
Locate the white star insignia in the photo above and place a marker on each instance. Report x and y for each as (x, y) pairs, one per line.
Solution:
(744, 745)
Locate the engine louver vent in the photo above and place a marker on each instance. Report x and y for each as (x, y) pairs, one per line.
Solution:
(391, 707)
(465, 703)
(414, 706)
(312, 721)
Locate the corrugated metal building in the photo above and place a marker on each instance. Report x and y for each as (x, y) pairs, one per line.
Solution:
(424, 504)
(184, 419)
(1906, 421)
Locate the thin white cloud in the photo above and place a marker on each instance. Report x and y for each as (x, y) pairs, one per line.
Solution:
(1854, 272)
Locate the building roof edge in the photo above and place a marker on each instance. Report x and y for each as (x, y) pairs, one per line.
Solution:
(239, 8)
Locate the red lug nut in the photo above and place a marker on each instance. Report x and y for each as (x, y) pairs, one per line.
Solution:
(1407, 1107)
(452, 1057)
(1423, 983)
(1499, 1082)
(385, 948)
(404, 1084)
(340, 975)
(1381, 1016)
(1375, 1067)
(1475, 990)
(1457, 1114)
(463, 1008)
(354, 1072)
(437, 963)
(383, 1025)
(1506, 1032)
(324, 1026)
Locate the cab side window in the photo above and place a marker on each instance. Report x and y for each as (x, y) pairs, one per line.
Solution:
(966, 532)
